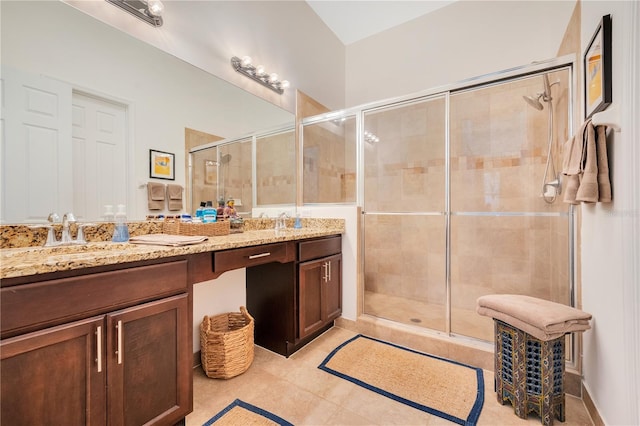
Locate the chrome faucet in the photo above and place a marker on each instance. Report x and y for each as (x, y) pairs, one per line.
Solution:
(67, 220)
(66, 235)
(280, 221)
(51, 233)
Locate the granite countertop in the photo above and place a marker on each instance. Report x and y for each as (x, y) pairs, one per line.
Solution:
(25, 261)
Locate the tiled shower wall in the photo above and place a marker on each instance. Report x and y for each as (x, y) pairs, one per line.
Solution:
(329, 152)
(504, 237)
(276, 169)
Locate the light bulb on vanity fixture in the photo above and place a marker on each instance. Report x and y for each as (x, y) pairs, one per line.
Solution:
(258, 73)
(155, 8)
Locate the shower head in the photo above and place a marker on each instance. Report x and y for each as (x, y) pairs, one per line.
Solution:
(225, 158)
(534, 101)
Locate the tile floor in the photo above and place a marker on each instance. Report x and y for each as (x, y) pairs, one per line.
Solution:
(296, 390)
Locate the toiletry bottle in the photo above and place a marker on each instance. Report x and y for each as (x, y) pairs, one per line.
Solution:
(200, 210)
(210, 213)
(121, 231)
(108, 213)
(298, 223)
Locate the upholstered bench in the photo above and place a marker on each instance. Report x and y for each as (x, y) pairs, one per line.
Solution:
(529, 354)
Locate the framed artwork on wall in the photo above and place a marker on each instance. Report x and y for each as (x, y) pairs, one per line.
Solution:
(597, 69)
(162, 165)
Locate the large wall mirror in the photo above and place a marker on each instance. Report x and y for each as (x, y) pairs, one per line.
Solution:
(83, 103)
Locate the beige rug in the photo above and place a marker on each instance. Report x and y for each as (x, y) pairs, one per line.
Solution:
(442, 387)
(241, 413)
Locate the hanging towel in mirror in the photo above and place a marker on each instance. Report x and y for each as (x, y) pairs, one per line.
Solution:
(155, 195)
(175, 197)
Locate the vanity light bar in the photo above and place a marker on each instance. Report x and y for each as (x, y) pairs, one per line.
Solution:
(258, 73)
(147, 10)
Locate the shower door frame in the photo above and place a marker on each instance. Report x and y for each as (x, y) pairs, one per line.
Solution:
(568, 62)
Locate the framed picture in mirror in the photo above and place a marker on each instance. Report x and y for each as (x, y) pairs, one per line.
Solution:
(597, 69)
(162, 165)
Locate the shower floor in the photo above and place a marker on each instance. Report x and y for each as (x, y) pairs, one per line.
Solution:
(465, 322)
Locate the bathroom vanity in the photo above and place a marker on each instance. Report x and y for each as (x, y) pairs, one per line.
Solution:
(103, 335)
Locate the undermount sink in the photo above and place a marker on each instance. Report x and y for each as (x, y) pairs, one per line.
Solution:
(63, 250)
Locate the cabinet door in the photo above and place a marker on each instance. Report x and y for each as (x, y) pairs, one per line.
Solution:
(55, 376)
(311, 280)
(333, 289)
(320, 296)
(149, 353)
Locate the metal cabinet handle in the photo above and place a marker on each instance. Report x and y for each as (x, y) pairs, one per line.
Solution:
(257, 256)
(99, 348)
(329, 273)
(325, 266)
(119, 348)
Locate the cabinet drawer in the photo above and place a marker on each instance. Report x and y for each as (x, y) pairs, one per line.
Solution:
(33, 306)
(228, 260)
(314, 249)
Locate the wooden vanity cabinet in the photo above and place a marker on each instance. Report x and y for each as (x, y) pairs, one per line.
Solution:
(127, 363)
(320, 284)
(50, 377)
(295, 301)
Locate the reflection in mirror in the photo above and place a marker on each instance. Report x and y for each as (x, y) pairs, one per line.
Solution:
(221, 173)
(329, 164)
(224, 170)
(276, 169)
(145, 94)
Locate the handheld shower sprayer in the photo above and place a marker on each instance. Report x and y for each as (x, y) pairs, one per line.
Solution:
(550, 189)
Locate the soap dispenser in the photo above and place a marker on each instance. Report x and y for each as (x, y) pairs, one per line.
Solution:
(121, 231)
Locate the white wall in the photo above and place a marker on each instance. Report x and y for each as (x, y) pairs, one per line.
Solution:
(611, 234)
(287, 37)
(459, 41)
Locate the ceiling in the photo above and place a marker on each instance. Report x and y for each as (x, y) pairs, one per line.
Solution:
(354, 20)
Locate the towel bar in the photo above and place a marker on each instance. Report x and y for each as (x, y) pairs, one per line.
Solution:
(608, 117)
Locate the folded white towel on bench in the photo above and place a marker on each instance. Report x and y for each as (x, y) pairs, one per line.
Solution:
(540, 318)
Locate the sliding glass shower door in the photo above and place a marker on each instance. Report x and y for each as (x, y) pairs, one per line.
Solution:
(463, 197)
(404, 204)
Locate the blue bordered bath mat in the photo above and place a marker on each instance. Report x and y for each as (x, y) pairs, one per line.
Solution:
(442, 387)
(245, 414)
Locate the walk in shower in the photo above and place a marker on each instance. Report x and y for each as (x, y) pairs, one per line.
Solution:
(460, 193)
(462, 199)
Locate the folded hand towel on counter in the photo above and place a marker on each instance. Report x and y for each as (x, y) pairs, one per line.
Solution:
(155, 195)
(175, 197)
(167, 240)
(540, 318)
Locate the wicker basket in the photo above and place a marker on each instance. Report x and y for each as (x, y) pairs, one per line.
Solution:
(176, 227)
(226, 342)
